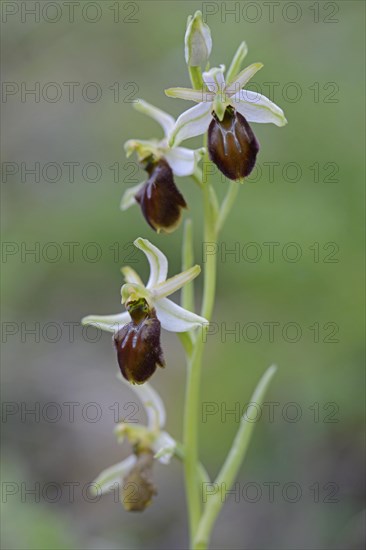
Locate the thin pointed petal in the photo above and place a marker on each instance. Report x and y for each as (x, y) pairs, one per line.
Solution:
(214, 79)
(175, 318)
(257, 108)
(110, 323)
(191, 123)
(128, 198)
(131, 276)
(188, 93)
(175, 283)
(164, 447)
(238, 59)
(165, 120)
(157, 260)
(108, 478)
(242, 78)
(181, 160)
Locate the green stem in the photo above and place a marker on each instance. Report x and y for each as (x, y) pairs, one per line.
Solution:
(187, 297)
(227, 204)
(191, 411)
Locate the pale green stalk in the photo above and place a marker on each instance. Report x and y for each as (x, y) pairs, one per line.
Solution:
(191, 411)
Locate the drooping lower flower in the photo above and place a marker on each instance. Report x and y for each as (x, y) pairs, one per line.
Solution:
(137, 330)
(225, 109)
(150, 443)
(159, 198)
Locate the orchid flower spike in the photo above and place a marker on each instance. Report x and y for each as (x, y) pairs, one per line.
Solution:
(224, 109)
(137, 330)
(149, 443)
(159, 198)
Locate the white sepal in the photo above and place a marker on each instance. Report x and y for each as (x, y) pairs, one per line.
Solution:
(108, 478)
(258, 108)
(152, 402)
(157, 260)
(109, 323)
(165, 120)
(128, 198)
(174, 318)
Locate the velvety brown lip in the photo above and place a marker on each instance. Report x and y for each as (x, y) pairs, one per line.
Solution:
(138, 348)
(232, 146)
(160, 200)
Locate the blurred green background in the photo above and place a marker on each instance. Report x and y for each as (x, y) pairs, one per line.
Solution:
(314, 441)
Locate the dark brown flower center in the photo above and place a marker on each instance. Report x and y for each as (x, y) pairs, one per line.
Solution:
(160, 200)
(232, 145)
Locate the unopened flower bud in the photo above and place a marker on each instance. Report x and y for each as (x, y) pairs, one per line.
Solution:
(232, 145)
(137, 488)
(197, 41)
(160, 200)
(138, 343)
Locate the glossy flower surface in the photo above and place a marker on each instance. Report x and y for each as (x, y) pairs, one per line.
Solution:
(138, 343)
(160, 200)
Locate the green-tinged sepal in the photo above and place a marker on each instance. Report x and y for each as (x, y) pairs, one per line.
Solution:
(236, 63)
(197, 41)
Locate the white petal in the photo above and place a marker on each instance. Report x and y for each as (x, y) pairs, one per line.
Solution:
(214, 79)
(175, 283)
(165, 120)
(110, 323)
(154, 406)
(242, 78)
(131, 276)
(257, 108)
(106, 481)
(189, 94)
(181, 160)
(164, 447)
(175, 318)
(191, 123)
(128, 198)
(157, 260)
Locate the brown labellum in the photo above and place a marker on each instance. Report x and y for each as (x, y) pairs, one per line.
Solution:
(138, 344)
(137, 487)
(232, 145)
(160, 200)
